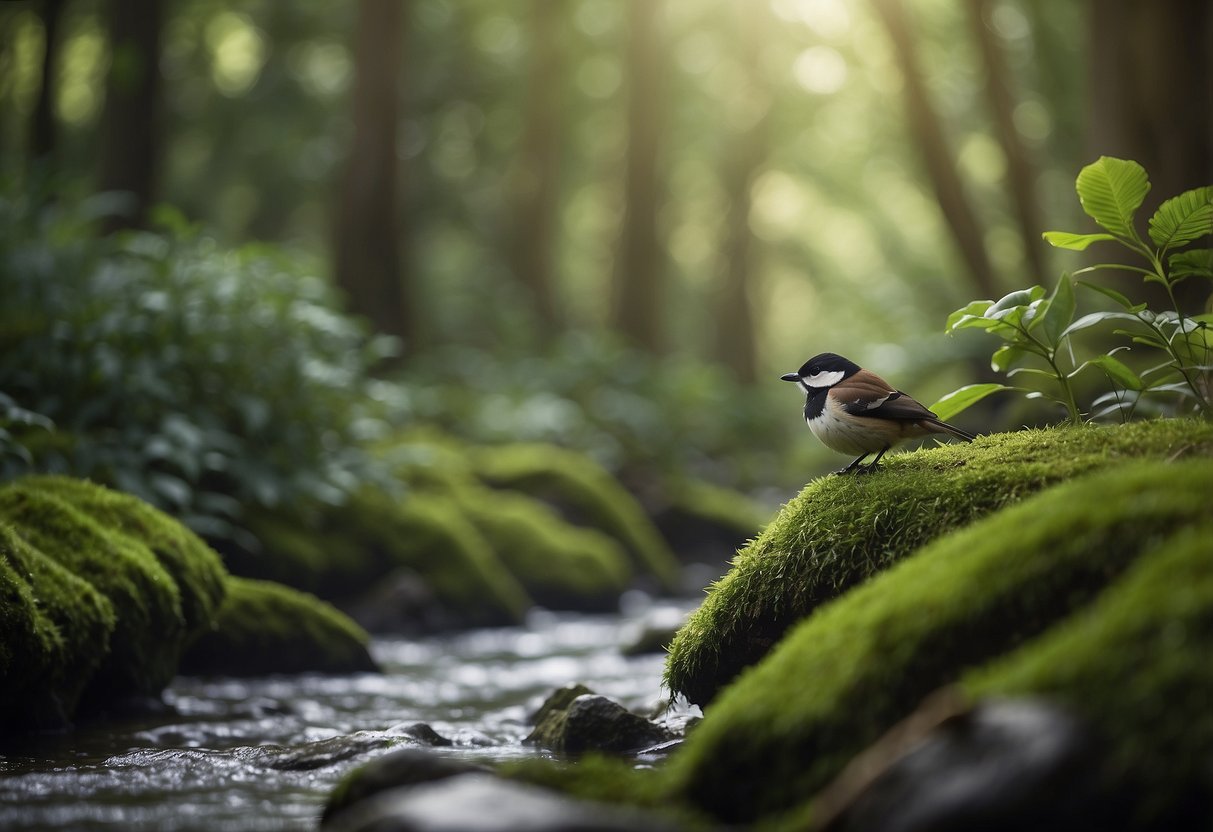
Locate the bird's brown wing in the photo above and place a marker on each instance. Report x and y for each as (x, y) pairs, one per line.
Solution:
(867, 394)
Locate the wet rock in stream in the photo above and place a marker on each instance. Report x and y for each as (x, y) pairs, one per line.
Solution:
(483, 803)
(596, 723)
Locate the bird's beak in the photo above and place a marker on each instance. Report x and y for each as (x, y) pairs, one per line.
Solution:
(790, 377)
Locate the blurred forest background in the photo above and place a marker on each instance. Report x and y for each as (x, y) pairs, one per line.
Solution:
(608, 224)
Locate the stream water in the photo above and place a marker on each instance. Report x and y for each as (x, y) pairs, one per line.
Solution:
(258, 754)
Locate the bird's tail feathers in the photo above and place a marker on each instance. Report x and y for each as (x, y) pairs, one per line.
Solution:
(944, 427)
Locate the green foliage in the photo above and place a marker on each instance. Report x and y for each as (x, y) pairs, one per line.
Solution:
(840, 531)
(15, 422)
(863, 662)
(199, 379)
(265, 627)
(1111, 191)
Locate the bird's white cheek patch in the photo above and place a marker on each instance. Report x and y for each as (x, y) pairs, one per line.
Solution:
(824, 379)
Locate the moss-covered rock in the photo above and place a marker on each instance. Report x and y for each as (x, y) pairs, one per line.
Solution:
(841, 530)
(193, 566)
(846, 674)
(705, 523)
(149, 628)
(265, 627)
(431, 535)
(586, 494)
(1136, 664)
(560, 566)
(56, 629)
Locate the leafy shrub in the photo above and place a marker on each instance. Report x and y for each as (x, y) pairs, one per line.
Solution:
(198, 378)
(1040, 328)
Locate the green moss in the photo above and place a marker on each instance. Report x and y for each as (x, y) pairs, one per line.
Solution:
(841, 530)
(193, 566)
(560, 566)
(149, 631)
(588, 494)
(265, 627)
(850, 671)
(309, 549)
(429, 534)
(723, 507)
(1136, 664)
(56, 629)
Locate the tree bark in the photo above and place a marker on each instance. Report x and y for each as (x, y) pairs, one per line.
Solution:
(536, 177)
(1021, 172)
(1151, 99)
(734, 313)
(42, 133)
(129, 130)
(639, 296)
(929, 136)
(368, 264)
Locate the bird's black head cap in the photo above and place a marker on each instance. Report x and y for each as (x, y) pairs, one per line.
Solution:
(828, 362)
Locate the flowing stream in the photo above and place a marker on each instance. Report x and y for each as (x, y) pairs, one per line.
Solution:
(263, 754)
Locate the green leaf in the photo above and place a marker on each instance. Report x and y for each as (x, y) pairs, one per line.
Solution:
(1032, 371)
(1097, 318)
(1074, 242)
(1060, 313)
(1195, 263)
(1111, 190)
(1021, 297)
(1183, 218)
(1006, 356)
(1114, 295)
(975, 309)
(964, 398)
(1116, 370)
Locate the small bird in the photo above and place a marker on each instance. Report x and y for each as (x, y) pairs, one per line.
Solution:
(854, 411)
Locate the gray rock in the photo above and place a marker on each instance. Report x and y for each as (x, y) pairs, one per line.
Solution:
(998, 767)
(324, 753)
(558, 701)
(482, 803)
(595, 723)
(397, 770)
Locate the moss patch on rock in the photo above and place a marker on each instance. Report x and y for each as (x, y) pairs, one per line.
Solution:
(706, 523)
(430, 534)
(560, 566)
(194, 567)
(265, 628)
(149, 628)
(850, 671)
(1136, 664)
(586, 494)
(841, 530)
(56, 628)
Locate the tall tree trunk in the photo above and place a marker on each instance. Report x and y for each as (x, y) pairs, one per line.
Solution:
(1021, 172)
(929, 136)
(734, 313)
(1151, 97)
(639, 297)
(534, 187)
(129, 134)
(368, 265)
(42, 134)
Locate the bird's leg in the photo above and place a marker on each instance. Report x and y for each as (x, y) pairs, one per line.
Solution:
(854, 466)
(871, 466)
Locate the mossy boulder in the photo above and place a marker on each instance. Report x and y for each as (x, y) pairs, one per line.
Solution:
(266, 628)
(149, 628)
(842, 530)
(430, 534)
(193, 566)
(56, 630)
(585, 494)
(560, 566)
(1136, 664)
(842, 677)
(705, 523)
